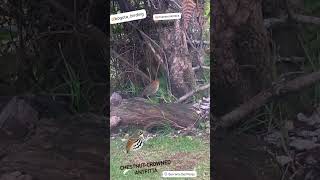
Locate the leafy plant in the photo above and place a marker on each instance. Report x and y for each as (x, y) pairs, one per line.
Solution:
(5, 36)
(207, 10)
(131, 88)
(74, 84)
(72, 80)
(312, 5)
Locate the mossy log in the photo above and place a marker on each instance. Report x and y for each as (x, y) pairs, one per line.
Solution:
(140, 112)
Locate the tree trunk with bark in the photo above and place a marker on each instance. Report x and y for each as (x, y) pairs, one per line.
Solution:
(173, 37)
(242, 66)
(166, 41)
(173, 40)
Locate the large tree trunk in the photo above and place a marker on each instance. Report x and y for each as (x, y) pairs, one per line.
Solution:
(171, 50)
(241, 52)
(173, 41)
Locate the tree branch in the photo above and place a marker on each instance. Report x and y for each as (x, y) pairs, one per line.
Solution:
(142, 74)
(198, 67)
(272, 22)
(191, 93)
(262, 98)
(293, 59)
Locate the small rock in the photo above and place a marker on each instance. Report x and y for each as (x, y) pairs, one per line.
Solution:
(310, 160)
(283, 160)
(305, 133)
(18, 118)
(17, 175)
(313, 174)
(115, 99)
(204, 107)
(114, 121)
(301, 117)
(274, 138)
(302, 144)
(206, 99)
(312, 120)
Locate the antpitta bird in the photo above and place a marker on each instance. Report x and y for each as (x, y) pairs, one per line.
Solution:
(151, 89)
(135, 142)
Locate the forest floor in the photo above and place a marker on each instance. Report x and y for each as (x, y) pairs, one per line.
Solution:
(185, 153)
(42, 140)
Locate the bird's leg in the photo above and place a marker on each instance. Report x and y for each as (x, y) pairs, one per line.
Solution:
(140, 157)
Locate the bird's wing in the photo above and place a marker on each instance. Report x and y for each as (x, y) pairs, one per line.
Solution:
(129, 145)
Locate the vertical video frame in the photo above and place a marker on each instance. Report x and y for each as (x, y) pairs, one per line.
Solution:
(160, 89)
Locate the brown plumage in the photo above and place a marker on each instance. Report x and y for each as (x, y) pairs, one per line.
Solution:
(135, 142)
(151, 89)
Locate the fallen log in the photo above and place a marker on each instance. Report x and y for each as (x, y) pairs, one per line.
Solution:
(140, 112)
(278, 90)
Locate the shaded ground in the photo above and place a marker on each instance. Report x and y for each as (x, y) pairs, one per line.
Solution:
(70, 147)
(242, 157)
(74, 147)
(297, 146)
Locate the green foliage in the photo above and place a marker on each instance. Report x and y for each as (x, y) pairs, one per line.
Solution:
(207, 60)
(206, 28)
(163, 93)
(76, 89)
(207, 10)
(312, 5)
(310, 41)
(5, 35)
(117, 28)
(165, 129)
(131, 88)
(73, 81)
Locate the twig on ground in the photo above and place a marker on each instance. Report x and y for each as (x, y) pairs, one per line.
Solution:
(191, 93)
(293, 59)
(272, 22)
(198, 67)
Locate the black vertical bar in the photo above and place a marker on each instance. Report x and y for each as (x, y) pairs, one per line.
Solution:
(212, 19)
(106, 28)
